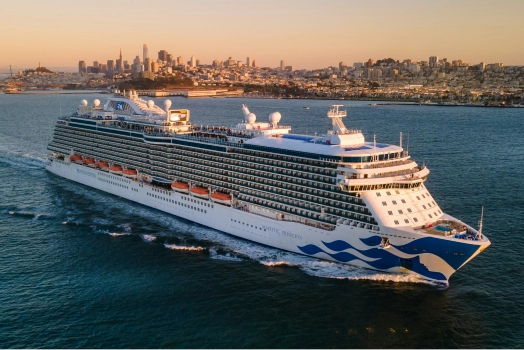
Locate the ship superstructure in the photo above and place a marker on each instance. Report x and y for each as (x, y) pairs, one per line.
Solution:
(334, 196)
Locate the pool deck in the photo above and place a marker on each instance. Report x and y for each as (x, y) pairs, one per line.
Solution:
(453, 226)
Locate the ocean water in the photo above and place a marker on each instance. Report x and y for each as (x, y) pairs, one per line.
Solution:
(81, 268)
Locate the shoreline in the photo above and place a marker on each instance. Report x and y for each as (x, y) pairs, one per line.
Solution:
(373, 102)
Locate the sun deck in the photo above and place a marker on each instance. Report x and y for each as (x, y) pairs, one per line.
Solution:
(449, 228)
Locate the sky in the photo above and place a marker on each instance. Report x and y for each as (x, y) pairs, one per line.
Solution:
(306, 34)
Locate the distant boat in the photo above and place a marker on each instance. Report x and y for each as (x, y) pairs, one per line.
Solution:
(305, 107)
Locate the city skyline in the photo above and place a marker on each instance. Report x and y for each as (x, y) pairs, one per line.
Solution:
(312, 36)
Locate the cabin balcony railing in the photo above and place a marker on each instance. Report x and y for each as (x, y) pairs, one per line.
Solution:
(263, 182)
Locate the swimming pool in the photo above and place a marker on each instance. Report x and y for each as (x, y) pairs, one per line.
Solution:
(442, 228)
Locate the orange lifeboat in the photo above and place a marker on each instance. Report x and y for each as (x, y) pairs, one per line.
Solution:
(221, 198)
(199, 192)
(115, 169)
(131, 173)
(76, 158)
(180, 187)
(90, 162)
(104, 166)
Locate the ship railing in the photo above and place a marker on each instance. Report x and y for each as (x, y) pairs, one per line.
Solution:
(359, 203)
(326, 227)
(315, 211)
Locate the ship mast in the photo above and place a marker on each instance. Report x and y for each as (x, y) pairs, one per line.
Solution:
(480, 223)
(336, 115)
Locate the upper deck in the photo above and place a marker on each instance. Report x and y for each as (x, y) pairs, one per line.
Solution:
(339, 145)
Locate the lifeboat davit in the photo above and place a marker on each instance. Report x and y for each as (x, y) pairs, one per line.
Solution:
(180, 187)
(221, 198)
(130, 173)
(115, 169)
(90, 162)
(104, 166)
(199, 192)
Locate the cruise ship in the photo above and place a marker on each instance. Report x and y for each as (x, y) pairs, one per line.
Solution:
(333, 196)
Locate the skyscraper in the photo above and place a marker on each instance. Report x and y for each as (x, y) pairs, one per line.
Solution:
(248, 62)
(193, 62)
(121, 63)
(82, 67)
(145, 54)
(162, 55)
(282, 65)
(147, 65)
(433, 61)
(110, 67)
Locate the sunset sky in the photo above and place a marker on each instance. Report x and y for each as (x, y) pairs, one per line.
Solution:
(306, 34)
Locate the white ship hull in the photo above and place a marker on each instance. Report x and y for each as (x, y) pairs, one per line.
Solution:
(431, 258)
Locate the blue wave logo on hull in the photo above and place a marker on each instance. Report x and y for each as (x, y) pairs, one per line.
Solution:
(454, 253)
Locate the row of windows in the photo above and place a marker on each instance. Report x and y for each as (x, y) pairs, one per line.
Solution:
(382, 186)
(117, 178)
(181, 204)
(189, 199)
(113, 183)
(243, 223)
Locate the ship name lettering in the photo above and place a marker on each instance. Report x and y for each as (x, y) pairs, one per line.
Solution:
(271, 229)
(291, 234)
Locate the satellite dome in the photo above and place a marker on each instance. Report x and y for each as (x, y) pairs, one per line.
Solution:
(251, 118)
(167, 104)
(150, 103)
(84, 102)
(96, 102)
(274, 117)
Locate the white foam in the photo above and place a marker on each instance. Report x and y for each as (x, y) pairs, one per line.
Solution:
(181, 247)
(228, 256)
(125, 227)
(277, 263)
(148, 238)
